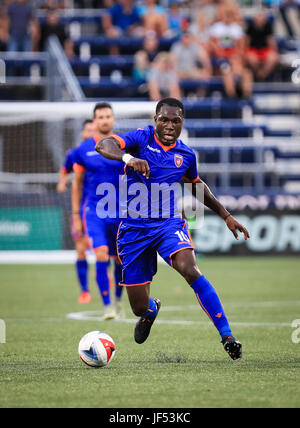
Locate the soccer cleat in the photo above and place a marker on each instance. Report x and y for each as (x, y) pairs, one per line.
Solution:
(120, 312)
(109, 312)
(85, 297)
(232, 346)
(144, 324)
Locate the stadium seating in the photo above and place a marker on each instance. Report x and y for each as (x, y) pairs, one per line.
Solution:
(235, 140)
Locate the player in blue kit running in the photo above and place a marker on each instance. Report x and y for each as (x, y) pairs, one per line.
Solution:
(157, 156)
(102, 231)
(81, 242)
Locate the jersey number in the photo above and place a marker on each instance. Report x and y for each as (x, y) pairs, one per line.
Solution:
(182, 236)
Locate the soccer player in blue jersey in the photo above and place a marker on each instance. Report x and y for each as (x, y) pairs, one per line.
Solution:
(102, 231)
(156, 155)
(81, 242)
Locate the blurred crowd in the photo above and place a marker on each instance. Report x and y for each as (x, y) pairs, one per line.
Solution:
(211, 38)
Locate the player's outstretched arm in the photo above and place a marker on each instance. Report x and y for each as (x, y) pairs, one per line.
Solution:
(110, 148)
(212, 202)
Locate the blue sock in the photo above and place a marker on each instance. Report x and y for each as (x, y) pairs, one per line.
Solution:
(210, 303)
(152, 309)
(118, 279)
(102, 279)
(82, 273)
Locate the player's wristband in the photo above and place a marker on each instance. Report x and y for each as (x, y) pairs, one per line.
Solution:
(225, 218)
(126, 158)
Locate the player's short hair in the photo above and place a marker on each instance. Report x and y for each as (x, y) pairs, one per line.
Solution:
(101, 106)
(172, 102)
(87, 122)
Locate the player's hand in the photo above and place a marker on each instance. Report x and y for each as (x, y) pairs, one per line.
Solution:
(235, 226)
(77, 224)
(141, 166)
(61, 187)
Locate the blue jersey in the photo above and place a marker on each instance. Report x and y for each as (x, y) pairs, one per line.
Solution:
(102, 176)
(68, 168)
(168, 165)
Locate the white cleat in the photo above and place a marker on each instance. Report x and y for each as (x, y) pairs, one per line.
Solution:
(109, 312)
(120, 312)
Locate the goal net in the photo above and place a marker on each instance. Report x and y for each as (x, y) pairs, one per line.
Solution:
(34, 138)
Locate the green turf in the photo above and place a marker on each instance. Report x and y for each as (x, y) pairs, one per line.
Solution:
(179, 366)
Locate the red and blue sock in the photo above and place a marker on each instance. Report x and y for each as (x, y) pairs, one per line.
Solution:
(211, 304)
(102, 280)
(82, 274)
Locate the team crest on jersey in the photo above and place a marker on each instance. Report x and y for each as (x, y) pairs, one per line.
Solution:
(178, 160)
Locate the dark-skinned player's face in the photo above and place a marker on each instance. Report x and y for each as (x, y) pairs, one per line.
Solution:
(168, 124)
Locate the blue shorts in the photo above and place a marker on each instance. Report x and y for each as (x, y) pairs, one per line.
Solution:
(138, 246)
(102, 232)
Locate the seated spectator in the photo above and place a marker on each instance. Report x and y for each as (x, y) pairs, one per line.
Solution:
(122, 19)
(154, 17)
(4, 29)
(199, 29)
(51, 27)
(162, 79)
(283, 10)
(141, 66)
(235, 10)
(21, 21)
(226, 46)
(151, 45)
(262, 54)
(177, 22)
(191, 60)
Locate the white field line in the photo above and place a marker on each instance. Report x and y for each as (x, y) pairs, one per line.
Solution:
(98, 315)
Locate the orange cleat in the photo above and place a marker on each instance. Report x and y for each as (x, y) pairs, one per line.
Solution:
(85, 297)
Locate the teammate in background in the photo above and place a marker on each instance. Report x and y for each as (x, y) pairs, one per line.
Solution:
(156, 156)
(81, 242)
(102, 231)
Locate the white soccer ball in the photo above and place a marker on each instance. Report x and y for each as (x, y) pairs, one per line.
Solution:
(96, 349)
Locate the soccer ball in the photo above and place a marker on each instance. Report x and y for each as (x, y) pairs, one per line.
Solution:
(96, 349)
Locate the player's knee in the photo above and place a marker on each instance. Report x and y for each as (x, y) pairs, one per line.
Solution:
(139, 309)
(190, 272)
(102, 254)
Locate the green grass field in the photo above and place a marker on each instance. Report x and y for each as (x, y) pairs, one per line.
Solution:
(182, 365)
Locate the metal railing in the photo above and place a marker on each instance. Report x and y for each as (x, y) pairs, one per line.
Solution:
(62, 82)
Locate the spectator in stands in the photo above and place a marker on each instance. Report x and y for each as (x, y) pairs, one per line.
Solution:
(262, 53)
(227, 47)
(162, 79)
(235, 10)
(141, 67)
(177, 21)
(191, 60)
(154, 17)
(51, 27)
(122, 19)
(21, 21)
(4, 29)
(151, 45)
(199, 28)
(283, 9)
